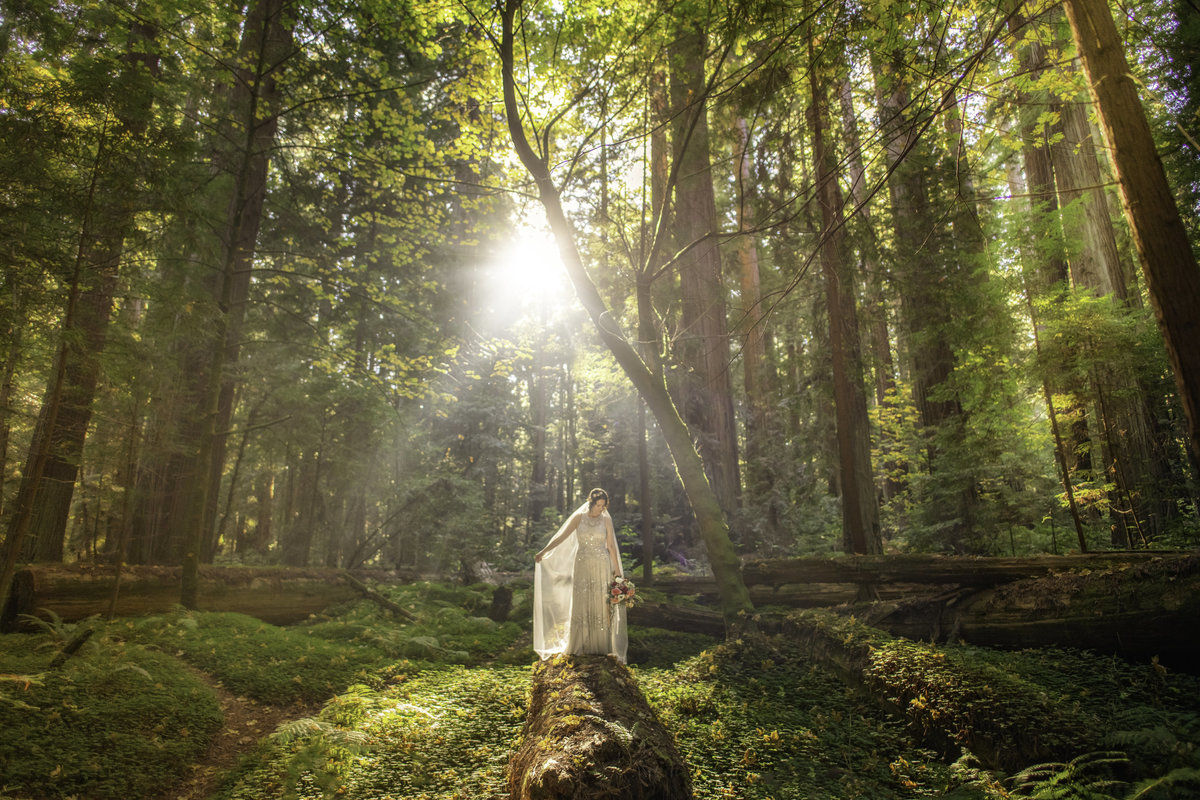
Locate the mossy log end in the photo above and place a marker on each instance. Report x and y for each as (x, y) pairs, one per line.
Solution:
(590, 733)
(949, 700)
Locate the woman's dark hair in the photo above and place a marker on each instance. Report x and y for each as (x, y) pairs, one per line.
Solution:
(595, 496)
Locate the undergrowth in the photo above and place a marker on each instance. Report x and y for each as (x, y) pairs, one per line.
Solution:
(256, 659)
(432, 710)
(757, 720)
(115, 721)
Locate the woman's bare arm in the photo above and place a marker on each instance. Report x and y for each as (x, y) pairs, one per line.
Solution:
(572, 524)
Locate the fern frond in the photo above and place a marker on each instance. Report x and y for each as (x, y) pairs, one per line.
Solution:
(1176, 778)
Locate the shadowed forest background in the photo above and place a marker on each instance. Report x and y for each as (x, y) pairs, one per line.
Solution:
(276, 291)
(393, 285)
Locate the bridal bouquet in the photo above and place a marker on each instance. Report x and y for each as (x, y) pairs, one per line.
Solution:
(621, 592)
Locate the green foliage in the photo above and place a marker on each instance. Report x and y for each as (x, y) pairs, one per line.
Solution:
(756, 720)
(1088, 777)
(658, 649)
(256, 659)
(450, 626)
(444, 734)
(117, 721)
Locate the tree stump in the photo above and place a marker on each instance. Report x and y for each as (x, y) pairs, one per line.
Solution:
(590, 734)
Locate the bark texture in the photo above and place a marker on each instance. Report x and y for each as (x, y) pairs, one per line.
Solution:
(703, 339)
(274, 595)
(589, 733)
(1168, 263)
(860, 508)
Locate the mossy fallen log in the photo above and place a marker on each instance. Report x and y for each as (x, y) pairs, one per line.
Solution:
(816, 582)
(1137, 611)
(590, 733)
(949, 700)
(273, 594)
(686, 619)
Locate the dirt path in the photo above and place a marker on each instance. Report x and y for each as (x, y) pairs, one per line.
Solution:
(246, 721)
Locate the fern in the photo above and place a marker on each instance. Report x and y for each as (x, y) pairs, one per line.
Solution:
(1180, 783)
(1085, 777)
(26, 681)
(317, 749)
(329, 734)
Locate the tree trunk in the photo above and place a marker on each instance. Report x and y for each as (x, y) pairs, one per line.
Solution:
(926, 299)
(48, 480)
(256, 100)
(1046, 266)
(1168, 263)
(590, 734)
(735, 600)
(757, 379)
(645, 498)
(1135, 610)
(860, 508)
(703, 339)
(1131, 459)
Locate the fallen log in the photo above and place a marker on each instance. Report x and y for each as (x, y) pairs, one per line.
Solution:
(812, 582)
(1137, 611)
(273, 594)
(948, 700)
(790, 595)
(378, 599)
(589, 733)
(677, 618)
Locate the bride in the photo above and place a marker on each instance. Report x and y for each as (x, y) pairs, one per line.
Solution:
(571, 611)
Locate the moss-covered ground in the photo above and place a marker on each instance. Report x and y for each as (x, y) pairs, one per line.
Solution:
(434, 709)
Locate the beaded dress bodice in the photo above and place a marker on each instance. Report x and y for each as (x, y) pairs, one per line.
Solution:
(593, 536)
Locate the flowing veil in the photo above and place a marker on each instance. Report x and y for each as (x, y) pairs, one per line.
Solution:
(552, 592)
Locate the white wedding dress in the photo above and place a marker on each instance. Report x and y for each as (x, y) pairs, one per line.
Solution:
(572, 613)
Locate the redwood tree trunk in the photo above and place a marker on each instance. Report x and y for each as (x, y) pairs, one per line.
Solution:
(1172, 274)
(860, 509)
(703, 340)
(48, 480)
(256, 102)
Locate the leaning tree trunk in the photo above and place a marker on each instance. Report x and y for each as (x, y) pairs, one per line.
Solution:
(1172, 274)
(710, 518)
(860, 507)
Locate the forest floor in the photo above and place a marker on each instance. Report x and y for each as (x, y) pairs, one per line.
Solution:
(245, 722)
(362, 705)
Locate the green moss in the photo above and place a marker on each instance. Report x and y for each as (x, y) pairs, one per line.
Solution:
(257, 659)
(117, 721)
(756, 720)
(443, 734)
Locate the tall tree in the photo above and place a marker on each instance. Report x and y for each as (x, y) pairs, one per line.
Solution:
(860, 509)
(1168, 262)
(650, 383)
(256, 100)
(702, 340)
